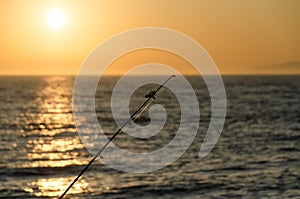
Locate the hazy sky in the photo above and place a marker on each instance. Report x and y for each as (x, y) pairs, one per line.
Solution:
(242, 37)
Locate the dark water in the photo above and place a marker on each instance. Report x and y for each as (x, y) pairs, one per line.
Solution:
(257, 155)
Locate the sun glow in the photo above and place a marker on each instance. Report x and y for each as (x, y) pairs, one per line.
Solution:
(56, 18)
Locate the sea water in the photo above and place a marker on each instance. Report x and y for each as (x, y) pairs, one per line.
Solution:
(257, 155)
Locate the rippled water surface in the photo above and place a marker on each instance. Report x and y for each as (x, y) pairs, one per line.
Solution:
(257, 155)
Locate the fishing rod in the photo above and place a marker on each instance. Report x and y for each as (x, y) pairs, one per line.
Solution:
(151, 96)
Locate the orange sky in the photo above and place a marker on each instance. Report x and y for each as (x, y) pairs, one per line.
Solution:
(243, 37)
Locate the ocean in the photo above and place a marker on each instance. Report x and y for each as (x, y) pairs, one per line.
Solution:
(257, 155)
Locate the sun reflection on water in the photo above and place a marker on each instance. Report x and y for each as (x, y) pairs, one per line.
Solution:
(52, 113)
(57, 145)
(55, 152)
(53, 187)
(53, 140)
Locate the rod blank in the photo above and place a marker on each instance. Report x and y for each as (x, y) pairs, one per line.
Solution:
(151, 96)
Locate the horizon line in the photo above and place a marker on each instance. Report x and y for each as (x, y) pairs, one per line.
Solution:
(118, 75)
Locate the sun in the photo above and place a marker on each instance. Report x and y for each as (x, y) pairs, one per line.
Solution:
(56, 18)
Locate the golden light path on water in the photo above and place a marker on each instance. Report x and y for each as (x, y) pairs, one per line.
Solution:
(54, 152)
(54, 119)
(53, 187)
(50, 153)
(55, 143)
